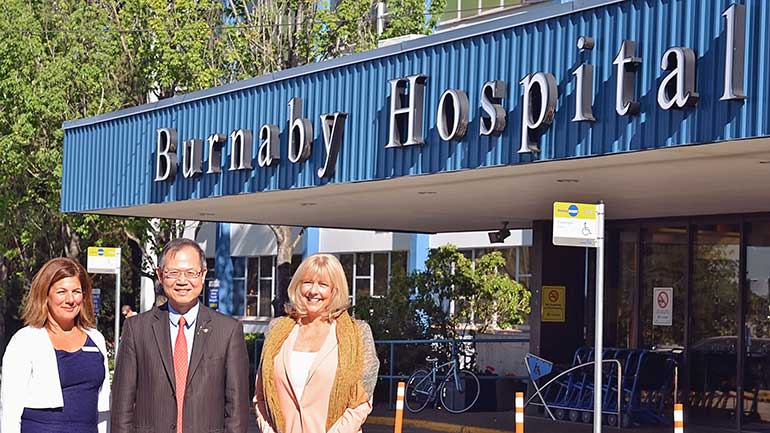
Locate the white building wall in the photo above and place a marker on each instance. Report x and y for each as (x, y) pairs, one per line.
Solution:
(350, 241)
(206, 238)
(256, 240)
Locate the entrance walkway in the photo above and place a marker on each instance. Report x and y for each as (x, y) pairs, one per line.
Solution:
(499, 422)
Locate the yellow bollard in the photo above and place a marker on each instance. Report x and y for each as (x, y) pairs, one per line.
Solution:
(678, 418)
(519, 412)
(399, 408)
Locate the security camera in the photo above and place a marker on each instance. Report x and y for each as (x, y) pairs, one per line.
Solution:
(499, 236)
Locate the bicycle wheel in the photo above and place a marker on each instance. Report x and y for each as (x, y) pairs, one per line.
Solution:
(419, 391)
(459, 395)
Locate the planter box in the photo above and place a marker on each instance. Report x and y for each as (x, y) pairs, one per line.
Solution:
(497, 393)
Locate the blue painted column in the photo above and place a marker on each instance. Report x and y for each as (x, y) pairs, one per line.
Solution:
(419, 246)
(312, 241)
(224, 269)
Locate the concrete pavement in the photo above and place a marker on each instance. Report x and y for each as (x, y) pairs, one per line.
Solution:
(498, 422)
(432, 421)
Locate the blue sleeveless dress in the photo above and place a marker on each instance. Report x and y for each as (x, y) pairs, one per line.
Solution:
(81, 374)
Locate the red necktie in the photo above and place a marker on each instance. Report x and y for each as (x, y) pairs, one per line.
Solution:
(180, 372)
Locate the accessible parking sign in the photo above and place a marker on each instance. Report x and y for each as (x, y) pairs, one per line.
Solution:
(575, 224)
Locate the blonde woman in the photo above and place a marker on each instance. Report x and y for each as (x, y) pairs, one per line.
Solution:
(319, 367)
(55, 369)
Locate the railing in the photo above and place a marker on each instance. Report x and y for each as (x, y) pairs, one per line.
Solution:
(393, 378)
(454, 350)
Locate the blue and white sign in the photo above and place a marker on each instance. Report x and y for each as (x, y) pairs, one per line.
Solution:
(213, 300)
(96, 297)
(103, 260)
(538, 367)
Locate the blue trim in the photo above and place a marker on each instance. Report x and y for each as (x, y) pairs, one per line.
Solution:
(224, 269)
(312, 241)
(111, 165)
(419, 246)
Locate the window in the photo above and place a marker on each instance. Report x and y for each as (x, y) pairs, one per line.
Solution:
(254, 278)
(459, 9)
(369, 274)
(259, 293)
(239, 285)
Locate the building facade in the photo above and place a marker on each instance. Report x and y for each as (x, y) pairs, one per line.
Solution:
(241, 281)
(657, 107)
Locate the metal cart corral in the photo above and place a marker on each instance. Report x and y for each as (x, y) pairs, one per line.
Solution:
(635, 386)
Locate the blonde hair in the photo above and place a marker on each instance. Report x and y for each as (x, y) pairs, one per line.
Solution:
(55, 270)
(325, 266)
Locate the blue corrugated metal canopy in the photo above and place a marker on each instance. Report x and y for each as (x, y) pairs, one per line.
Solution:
(700, 159)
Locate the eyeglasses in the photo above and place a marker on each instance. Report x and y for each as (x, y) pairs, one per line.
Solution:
(176, 274)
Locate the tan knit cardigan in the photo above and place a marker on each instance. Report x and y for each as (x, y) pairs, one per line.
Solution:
(354, 379)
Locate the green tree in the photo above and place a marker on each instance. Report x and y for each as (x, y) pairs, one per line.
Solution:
(267, 36)
(72, 59)
(482, 295)
(46, 76)
(419, 306)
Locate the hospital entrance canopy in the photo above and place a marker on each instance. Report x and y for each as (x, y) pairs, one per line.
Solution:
(658, 107)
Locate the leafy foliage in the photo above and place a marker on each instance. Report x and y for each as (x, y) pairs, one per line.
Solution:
(419, 306)
(70, 59)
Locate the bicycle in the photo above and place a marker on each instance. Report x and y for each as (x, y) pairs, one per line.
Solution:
(457, 391)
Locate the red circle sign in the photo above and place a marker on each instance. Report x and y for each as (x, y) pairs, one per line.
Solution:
(553, 296)
(663, 299)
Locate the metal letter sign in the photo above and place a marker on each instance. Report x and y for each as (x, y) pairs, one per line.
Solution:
(628, 63)
(332, 125)
(406, 116)
(575, 224)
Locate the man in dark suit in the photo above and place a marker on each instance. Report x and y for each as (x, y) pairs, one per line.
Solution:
(182, 367)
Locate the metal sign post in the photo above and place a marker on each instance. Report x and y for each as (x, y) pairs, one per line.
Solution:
(582, 225)
(104, 260)
(599, 328)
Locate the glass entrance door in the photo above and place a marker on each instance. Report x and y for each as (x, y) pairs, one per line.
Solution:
(664, 267)
(717, 274)
(713, 324)
(756, 385)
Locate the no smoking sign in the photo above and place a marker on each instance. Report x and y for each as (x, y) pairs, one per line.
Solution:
(553, 304)
(663, 309)
(553, 296)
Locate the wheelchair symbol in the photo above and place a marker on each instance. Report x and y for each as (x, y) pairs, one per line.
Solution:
(586, 230)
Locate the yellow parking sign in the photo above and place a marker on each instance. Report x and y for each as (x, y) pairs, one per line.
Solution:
(575, 224)
(103, 260)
